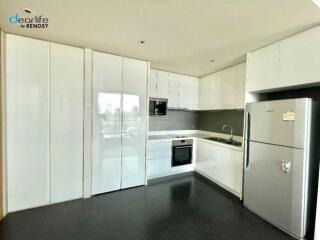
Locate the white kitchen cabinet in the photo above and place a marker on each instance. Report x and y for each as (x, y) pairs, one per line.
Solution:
(188, 92)
(153, 84)
(241, 83)
(204, 90)
(300, 59)
(184, 91)
(27, 99)
(263, 68)
(287, 64)
(106, 122)
(220, 164)
(159, 154)
(66, 122)
(162, 84)
(173, 93)
(228, 88)
(158, 84)
(194, 93)
(223, 90)
(134, 122)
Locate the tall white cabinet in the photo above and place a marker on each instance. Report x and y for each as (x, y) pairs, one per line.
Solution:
(134, 119)
(106, 122)
(27, 111)
(119, 122)
(66, 122)
(44, 109)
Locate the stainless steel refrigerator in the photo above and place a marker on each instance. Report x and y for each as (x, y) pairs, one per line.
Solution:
(280, 161)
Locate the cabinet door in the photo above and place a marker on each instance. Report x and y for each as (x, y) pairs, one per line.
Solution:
(214, 98)
(153, 83)
(300, 59)
(173, 97)
(194, 94)
(204, 93)
(66, 122)
(134, 123)
(228, 88)
(162, 84)
(220, 164)
(241, 82)
(27, 99)
(184, 90)
(106, 122)
(263, 68)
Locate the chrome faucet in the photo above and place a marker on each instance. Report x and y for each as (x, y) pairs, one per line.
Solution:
(231, 131)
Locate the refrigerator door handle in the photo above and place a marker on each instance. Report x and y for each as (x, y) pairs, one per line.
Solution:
(247, 140)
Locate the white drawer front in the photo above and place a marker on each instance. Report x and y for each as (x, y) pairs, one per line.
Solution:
(159, 166)
(159, 154)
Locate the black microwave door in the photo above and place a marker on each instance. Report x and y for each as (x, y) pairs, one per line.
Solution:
(162, 108)
(151, 108)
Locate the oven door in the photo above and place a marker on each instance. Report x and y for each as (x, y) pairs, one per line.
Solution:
(181, 155)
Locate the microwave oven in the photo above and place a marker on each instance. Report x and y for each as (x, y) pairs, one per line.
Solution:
(157, 106)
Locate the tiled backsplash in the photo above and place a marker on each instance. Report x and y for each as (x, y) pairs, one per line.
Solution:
(212, 121)
(174, 120)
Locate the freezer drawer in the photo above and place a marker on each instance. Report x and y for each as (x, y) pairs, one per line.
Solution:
(275, 185)
(283, 122)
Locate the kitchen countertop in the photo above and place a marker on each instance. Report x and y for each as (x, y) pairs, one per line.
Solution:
(197, 134)
(175, 136)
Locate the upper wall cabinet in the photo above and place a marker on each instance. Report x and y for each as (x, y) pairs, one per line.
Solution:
(300, 59)
(158, 84)
(181, 91)
(263, 68)
(224, 89)
(289, 63)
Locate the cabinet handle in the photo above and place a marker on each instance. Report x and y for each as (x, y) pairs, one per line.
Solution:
(247, 140)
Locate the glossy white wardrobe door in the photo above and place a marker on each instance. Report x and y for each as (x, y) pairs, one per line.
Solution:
(66, 122)
(106, 110)
(27, 69)
(134, 122)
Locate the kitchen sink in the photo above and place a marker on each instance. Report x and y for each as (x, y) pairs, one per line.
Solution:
(223, 140)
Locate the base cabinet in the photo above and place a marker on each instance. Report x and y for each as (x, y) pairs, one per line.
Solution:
(159, 156)
(220, 164)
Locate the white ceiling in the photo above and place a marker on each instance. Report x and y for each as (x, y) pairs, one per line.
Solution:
(181, 35)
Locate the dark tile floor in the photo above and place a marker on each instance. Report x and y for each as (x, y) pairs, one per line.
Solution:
(183, 208)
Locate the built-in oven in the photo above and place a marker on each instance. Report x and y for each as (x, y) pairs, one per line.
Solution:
(181, 152)
(157, 106)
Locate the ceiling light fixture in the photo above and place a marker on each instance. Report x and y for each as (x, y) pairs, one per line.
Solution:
(317, 2)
